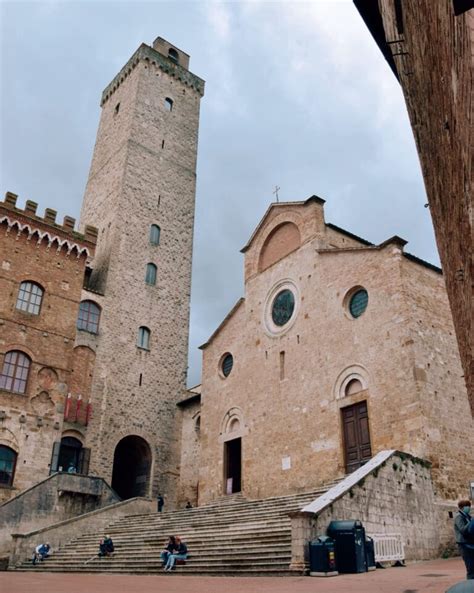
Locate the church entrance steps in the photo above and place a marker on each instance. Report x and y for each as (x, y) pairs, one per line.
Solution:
(230, 536)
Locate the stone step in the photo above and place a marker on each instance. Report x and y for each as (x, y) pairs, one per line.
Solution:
(232, 536)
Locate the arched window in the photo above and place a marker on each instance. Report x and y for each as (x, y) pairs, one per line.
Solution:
(150, 276)
(168, 104)
(143, 338)
(173, 55)
(16, 367)
(155, 234)
(7, 465)
(29, 298)
(354, 386)
(89, 316)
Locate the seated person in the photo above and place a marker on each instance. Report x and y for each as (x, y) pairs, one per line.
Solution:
(168, 549)
(106, 546)
(41, 552)
(180, 552)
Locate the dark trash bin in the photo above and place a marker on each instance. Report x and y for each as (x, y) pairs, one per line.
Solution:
(349, 537)
(322, 557)
(370, 553)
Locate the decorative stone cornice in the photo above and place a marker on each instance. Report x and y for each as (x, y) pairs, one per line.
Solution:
(148, 54)
(46, 229)
(40, 236)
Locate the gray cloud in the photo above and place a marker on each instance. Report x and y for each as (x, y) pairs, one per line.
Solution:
(297, 95)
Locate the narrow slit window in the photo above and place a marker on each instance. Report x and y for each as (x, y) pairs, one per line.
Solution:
(150, 276)
(117, 108)
(163, 144)
(143, 338)
(155, 232)
(282, 366)
(168, 104)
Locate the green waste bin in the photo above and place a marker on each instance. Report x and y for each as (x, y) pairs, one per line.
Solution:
(322, 557)
(349, 537)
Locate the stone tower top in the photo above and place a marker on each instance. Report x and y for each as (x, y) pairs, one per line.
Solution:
(164, 56)
(171, 51)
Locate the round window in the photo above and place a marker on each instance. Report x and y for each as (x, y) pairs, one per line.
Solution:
(227, 364)
(358, 302)
(283, 307)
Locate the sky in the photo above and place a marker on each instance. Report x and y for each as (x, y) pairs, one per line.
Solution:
(297, 95)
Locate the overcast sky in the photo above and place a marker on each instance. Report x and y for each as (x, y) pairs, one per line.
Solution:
(297, 94)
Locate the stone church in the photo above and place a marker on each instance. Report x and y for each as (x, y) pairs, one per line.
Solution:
(338, 350)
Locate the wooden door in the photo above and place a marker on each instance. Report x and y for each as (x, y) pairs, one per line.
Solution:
(357, 449)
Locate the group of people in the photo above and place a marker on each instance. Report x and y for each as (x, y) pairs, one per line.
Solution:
(175, 549)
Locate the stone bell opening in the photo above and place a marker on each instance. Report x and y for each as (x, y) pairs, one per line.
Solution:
(233, 466)
(132, 465)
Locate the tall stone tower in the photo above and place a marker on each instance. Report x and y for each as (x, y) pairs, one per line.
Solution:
(140, 194)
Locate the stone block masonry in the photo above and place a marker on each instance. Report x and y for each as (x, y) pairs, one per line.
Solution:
(143, 173)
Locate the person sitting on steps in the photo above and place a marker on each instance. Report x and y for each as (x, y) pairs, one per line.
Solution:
(41, 552)
(106, 546)
(180, 552)
(168, 549)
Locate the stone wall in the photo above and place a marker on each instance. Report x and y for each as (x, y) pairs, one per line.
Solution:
(190, 430)
(58, 497)
(143, 172)
(292, 382)
(61, 533)
(392, 494)
(447, 427)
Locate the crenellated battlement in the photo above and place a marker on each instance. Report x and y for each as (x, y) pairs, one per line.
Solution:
(164, 63)
(46, 226)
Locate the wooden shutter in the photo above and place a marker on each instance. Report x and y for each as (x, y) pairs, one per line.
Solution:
(53, 466)
(84, 458)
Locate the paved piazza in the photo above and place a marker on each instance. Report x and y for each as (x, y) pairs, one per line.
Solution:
(426, 577)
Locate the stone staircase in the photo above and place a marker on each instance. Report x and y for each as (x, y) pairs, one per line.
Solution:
(231, 536)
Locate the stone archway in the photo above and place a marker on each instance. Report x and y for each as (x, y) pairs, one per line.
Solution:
(132, 465)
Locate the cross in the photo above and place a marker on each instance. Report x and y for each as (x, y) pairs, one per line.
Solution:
(276, 192)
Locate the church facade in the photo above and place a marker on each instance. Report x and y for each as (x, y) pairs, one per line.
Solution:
(338, 350)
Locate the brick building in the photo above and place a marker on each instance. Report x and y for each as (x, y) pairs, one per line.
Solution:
(430, 48)
(338, 350)
(41, 278)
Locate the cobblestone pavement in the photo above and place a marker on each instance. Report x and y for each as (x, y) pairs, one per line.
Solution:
(426, 577)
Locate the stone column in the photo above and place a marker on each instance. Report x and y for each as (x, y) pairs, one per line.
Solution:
(301, 533)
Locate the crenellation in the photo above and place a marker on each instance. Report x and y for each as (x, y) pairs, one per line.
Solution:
(150, 55)
(50, 216)
(46, 228)
(31, 208)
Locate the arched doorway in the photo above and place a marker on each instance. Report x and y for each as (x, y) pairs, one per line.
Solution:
(132, 463)
(70, 455)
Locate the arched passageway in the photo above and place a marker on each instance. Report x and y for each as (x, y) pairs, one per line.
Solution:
(132, 464)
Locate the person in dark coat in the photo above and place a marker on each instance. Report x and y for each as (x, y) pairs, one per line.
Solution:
(106, 546)
(465, 543)
(167, 550)
(160, 502)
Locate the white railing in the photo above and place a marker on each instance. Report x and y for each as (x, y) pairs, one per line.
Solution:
(388, 547)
